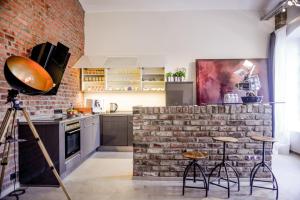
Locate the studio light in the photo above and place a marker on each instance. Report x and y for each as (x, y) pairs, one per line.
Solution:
(28, 77)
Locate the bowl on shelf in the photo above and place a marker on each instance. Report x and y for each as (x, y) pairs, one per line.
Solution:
(252, 99)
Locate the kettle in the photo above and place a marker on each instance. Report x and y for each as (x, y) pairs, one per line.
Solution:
(113, 107)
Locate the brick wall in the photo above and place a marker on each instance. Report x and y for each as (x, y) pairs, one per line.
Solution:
(24, 24)
(162, 134)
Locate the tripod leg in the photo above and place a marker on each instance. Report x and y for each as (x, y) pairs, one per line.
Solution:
(45, 153)
(4, 162)
(6, 148)
(5, 123)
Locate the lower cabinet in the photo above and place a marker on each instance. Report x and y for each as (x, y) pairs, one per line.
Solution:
(116, 130)
(90, 135)
(33, 169)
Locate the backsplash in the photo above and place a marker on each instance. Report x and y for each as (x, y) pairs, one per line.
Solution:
(126, 100)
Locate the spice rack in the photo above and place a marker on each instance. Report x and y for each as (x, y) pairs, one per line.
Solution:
(93, 79)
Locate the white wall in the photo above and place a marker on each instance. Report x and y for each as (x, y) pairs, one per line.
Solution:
(181, 36)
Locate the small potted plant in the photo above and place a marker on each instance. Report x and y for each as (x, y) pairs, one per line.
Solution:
(176, 77)
(180, 75)
(169, 76)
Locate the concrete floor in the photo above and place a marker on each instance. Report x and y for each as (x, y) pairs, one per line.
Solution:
(108, 176)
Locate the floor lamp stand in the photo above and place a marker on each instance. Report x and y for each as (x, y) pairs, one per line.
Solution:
(6, 139)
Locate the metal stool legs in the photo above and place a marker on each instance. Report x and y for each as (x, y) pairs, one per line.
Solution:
(224, 165)
(195, 165)
(254, 172)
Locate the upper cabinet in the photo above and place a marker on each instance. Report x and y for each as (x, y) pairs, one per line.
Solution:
(123, 79)
(92, 79)
(153, 79)
(122, 74)
(126, 79)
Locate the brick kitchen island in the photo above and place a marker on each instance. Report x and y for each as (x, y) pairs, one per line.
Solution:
(162, 134)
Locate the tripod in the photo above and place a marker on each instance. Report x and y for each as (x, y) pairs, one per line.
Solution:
(6, 137)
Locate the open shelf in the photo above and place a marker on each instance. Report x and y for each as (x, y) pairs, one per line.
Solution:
(153, 79)
(123, 79)
(130, 79)
(93, 79)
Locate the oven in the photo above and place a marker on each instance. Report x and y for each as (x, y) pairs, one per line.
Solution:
(72, 139)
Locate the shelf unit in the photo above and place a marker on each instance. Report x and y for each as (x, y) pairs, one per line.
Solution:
(123, 79)
(153, 79)
(93, 79)
(130, 79)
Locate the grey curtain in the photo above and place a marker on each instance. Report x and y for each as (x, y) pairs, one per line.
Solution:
(271, 76)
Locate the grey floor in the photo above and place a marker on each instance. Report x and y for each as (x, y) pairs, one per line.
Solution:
(108, 176)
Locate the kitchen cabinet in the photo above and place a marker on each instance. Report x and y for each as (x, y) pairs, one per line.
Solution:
(153, 79)
(179, 93)
(90, 135)
(124, 79)
(93, 80)
(116, 130)
(33, 169)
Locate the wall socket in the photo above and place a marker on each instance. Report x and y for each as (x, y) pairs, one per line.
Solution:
(14, 175)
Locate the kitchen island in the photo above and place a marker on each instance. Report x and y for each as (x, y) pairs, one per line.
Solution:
(162, 134)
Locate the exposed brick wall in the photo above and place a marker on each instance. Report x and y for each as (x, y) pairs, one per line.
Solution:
(162, 134)
(24, 24)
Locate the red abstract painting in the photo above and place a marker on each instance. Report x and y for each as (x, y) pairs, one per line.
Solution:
(216, 77)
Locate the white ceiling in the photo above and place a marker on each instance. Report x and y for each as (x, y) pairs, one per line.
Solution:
(172, 5)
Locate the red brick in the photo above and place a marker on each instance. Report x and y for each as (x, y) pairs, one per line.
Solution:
(24, 24)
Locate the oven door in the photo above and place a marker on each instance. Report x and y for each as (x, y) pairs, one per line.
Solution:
(72, 142)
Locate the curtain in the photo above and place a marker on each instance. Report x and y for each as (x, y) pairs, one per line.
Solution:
(293, 69)
(280, 93)
(270, 71)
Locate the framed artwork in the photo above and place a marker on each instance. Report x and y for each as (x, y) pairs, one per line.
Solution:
(216, 77)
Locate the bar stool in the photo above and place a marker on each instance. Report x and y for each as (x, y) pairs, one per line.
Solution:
(224, 165)
(256, 167)
(194, 156)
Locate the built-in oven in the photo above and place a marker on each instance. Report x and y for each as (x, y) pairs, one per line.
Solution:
(72, 139)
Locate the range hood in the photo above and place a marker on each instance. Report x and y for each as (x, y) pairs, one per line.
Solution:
(90, 61)
(120, 61)
(114, 62)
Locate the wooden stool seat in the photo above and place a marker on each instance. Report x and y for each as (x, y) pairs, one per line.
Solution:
(262, 138)
(226, 139)
(193, 165)
(195, 155)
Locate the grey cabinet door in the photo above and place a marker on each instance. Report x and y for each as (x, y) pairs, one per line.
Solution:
(90, 135)
(179, 93)
(95, 138)
(114, 130)
(97, 131)
(86, 140)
